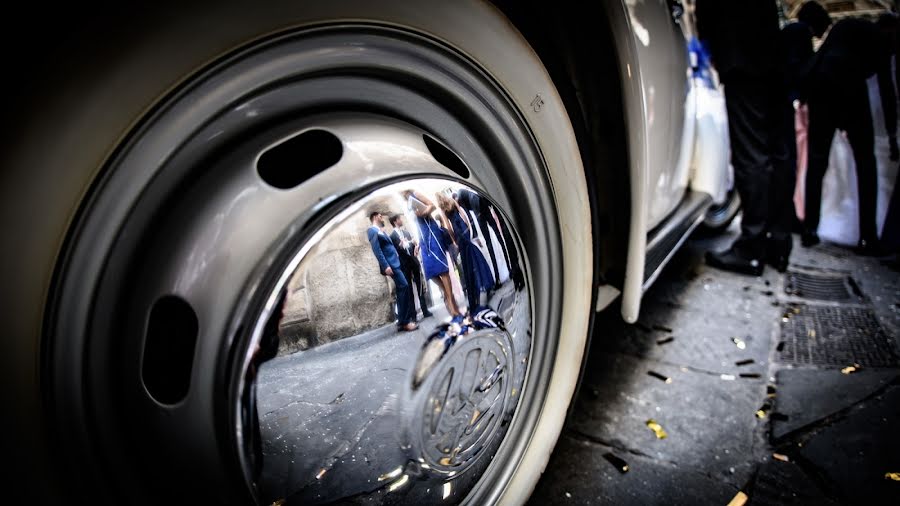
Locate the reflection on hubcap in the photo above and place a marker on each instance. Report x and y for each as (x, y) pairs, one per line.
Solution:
(392, 355)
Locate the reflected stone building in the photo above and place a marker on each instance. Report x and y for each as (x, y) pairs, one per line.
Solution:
(340, 291)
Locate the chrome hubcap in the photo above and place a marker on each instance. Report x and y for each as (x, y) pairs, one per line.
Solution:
(352, 406)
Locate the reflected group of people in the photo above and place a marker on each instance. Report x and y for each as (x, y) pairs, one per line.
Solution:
(459, 243)
(327, 333)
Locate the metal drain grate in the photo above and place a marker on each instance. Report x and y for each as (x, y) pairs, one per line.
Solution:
(834, 251)
(839, 336)
(823, 285)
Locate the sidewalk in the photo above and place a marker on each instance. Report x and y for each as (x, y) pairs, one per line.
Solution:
(735, 369)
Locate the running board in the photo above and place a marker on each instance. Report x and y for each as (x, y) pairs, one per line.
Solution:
(664, 240)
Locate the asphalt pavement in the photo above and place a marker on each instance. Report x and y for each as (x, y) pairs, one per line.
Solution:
(783, 388)
(333, 418)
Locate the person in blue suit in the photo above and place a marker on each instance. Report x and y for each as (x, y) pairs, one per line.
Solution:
(389, 265)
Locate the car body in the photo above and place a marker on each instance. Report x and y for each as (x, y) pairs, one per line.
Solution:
(140, 289)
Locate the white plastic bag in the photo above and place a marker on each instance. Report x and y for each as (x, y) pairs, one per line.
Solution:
(840, 204)
(839, 221)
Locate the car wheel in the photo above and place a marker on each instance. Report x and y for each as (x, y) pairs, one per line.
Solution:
(182, 204)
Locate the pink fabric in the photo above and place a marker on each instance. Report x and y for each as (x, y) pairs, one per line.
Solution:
(801, 127)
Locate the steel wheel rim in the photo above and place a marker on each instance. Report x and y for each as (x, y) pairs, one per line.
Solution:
(101, 246)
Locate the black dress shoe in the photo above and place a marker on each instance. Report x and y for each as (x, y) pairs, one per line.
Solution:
(778, 253)
(778, 261)
(868, 248)
(809, 238)
(732, 260)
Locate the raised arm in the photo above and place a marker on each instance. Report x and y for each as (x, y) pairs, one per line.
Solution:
(429, 205)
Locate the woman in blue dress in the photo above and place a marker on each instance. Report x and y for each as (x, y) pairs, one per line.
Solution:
(433, 246)
(476, 272)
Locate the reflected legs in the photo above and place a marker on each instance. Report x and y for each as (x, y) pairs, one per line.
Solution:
(443, 281)
(405, 305)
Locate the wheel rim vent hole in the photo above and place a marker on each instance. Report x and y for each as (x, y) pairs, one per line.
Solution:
(446, 157)
(169, 349)
(299, 158)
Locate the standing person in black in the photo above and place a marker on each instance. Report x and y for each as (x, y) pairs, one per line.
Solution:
(797, 45)
(409, 261)
(854, 50)
(743, 38)
(890, 232)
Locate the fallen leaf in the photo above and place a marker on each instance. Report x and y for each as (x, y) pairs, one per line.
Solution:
(739, 499)
(657, 429)
(851, 369)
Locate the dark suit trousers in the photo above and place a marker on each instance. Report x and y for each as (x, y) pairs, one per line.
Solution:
(846, 108)
(413, 274)
(406, 308)
(760, 125)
